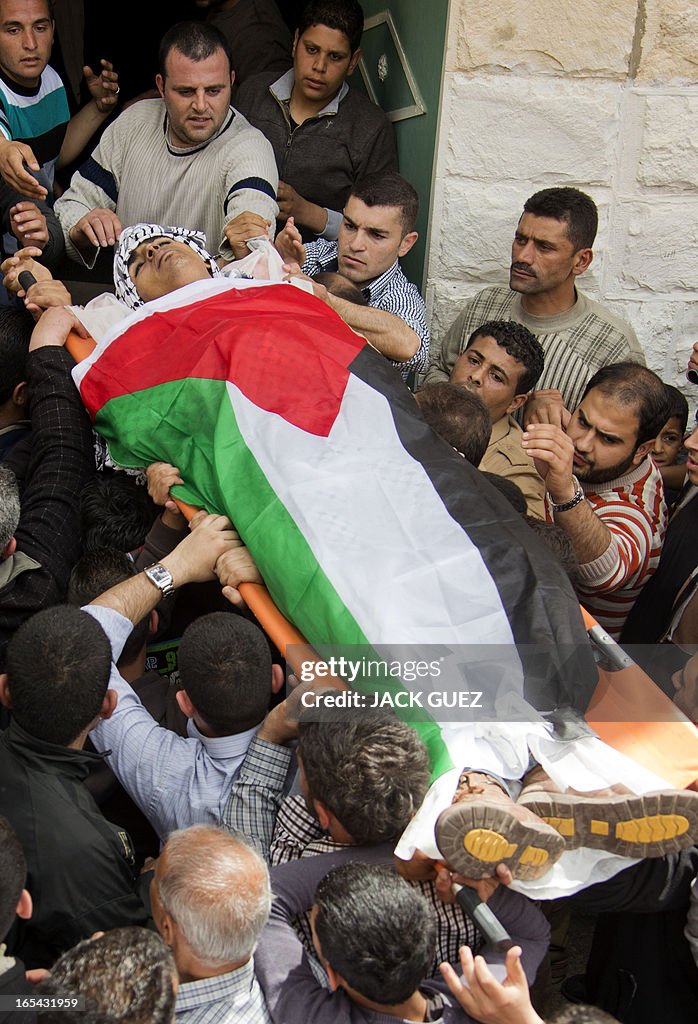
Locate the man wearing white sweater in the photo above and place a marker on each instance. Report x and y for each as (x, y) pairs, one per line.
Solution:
(188, 158)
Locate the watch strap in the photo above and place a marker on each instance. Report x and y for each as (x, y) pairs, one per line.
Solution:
(578, 495)
(161, 578)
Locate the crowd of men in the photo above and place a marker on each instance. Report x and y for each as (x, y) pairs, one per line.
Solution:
(179, 839)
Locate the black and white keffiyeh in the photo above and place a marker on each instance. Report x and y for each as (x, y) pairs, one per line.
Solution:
(132, 237)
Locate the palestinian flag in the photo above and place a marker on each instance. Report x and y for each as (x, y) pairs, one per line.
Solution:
(371, 533)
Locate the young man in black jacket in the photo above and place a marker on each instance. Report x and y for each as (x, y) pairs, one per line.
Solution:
(81, 868)
(40, 534)
(325, 135)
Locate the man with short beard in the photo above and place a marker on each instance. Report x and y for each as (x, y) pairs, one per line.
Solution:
(604, 490)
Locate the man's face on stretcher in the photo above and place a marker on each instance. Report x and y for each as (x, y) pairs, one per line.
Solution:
(160, 265)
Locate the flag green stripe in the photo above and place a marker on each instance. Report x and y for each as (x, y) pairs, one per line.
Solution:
(195, 428)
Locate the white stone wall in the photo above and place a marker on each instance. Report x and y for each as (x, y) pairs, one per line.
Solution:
(602, 96)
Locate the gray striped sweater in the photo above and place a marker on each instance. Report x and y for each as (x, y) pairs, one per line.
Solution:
(135, 172)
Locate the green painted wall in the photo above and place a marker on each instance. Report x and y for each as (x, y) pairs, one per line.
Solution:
(421, 28)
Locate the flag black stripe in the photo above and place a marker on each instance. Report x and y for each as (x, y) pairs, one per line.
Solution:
(536, 595)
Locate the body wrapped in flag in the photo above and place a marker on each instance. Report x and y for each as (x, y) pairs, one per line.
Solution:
(369, 531)
(366, 527)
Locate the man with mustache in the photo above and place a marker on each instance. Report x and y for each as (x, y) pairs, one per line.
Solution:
(552, 247)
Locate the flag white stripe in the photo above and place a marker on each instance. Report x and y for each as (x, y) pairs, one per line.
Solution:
(405, 569)
(401, 564)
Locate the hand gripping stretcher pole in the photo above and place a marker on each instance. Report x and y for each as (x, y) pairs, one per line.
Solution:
(627, 711)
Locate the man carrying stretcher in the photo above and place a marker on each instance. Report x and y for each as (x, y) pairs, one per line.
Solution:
(584, 808)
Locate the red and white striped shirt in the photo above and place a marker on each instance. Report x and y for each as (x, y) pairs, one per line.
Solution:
(632, 507)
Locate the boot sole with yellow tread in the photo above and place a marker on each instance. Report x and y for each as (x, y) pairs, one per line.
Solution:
(650, 825)
(474, 837)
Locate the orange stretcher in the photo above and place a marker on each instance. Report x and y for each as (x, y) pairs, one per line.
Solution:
(628, 711)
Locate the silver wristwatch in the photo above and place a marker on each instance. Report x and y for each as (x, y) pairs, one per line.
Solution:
(161, 577)
(578, 495)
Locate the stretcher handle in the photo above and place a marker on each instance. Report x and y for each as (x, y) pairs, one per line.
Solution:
(612, 651)
(478, 911)
(277, 627)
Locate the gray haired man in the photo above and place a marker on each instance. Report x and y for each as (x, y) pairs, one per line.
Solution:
(210, 899)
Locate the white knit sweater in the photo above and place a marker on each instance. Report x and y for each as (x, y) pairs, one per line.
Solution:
(135, 172)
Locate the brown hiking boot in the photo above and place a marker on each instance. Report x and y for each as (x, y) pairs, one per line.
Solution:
(614, 819)
(483, 827)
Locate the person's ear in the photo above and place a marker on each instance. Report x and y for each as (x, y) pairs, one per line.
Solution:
(232, 78)
(355, 58)
(10, 549)
(20, 393)
(185, 705)
(277, 678)
(582, 261)
(296, 37)
(643, 450)
(516, 402)
(324, 816)
(25, 907)
(111, 699)
(166, 927)
(5, 698)
(160, 83)
(407, 243)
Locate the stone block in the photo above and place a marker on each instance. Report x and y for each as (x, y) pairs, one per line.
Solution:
(669, 156)
(447, 299)
(669, 42)
(570, 37)
(658, 251)
(656, 325)
(477, 226)
(509, 128)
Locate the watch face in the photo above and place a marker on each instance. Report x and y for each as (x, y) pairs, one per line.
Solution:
(161, 577)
